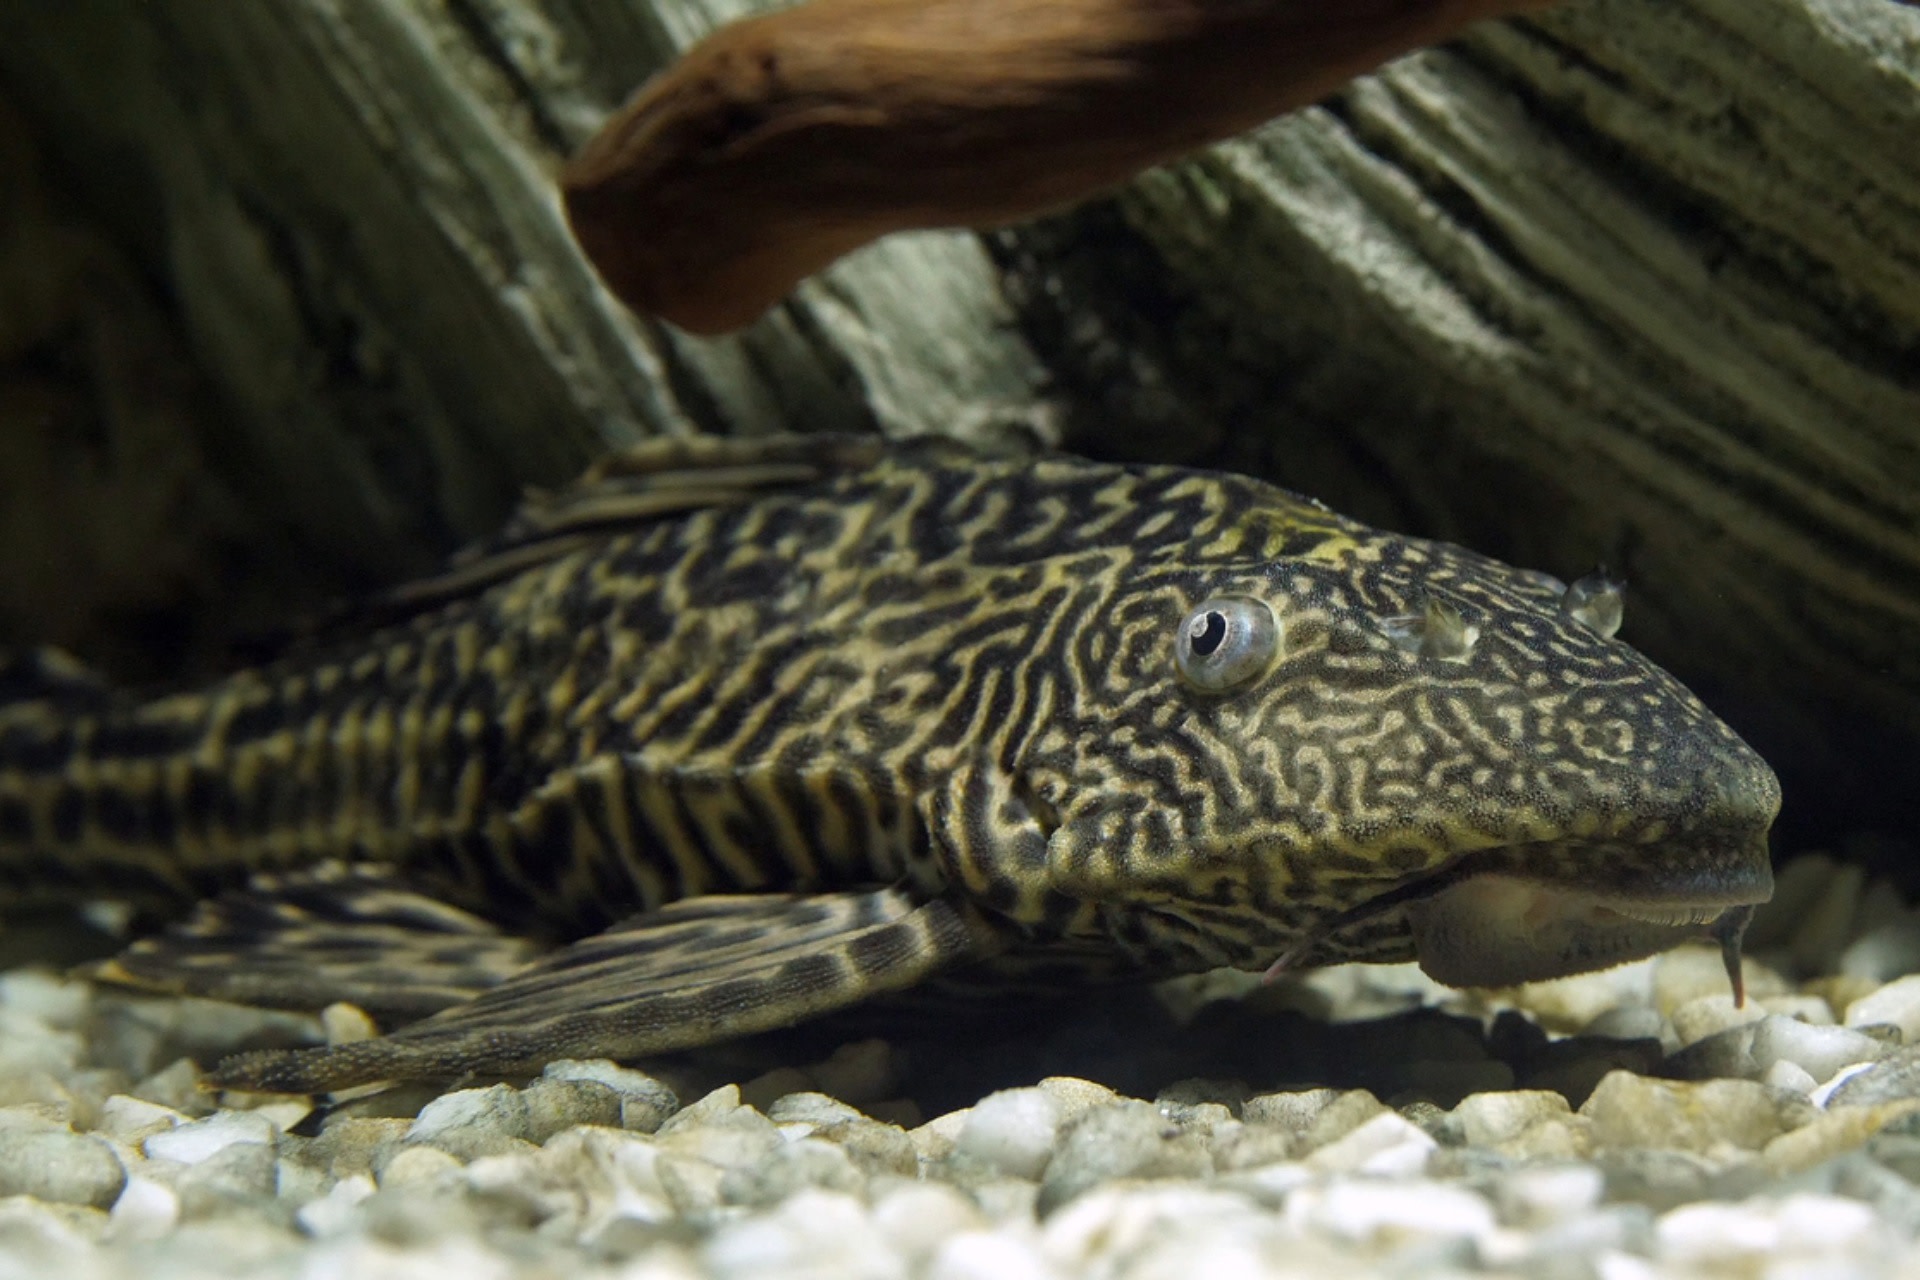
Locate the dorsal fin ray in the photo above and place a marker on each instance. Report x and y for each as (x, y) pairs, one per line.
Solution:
(51, 677)
(623, 491)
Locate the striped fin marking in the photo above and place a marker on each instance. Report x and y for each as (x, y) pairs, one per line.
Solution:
(691, 973)
(306, 940)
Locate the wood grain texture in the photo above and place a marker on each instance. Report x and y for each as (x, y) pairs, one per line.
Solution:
(782, 142)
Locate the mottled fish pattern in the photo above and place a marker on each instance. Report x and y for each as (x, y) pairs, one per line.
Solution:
(733, 733)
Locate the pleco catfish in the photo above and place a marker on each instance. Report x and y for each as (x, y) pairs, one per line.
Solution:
(732, 734)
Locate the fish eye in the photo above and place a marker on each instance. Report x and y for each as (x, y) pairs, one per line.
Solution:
(1226, 641)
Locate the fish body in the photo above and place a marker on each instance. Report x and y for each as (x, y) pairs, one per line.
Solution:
(734, 733)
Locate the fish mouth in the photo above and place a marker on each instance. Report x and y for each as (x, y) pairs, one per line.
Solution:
(1484, 921)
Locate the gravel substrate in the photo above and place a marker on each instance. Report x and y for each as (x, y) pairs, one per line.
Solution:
(1355, 1121)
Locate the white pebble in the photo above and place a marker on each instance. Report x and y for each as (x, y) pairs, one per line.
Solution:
(471, 1123)
(720, 1104)
(1708, 1015)
(735, 1139)
(461, 1108)
(1817, 1223)
(1615, 1265)
(200, 1139)
(1710, 1234)
(145, 1210)
(28, 1044)
(1897, 1003)
(419, 1166)
(1298, 1111)
(1076, 1096)
(1119, 1221)
(344, 1023)
(1272, 1182)
(1246, 1250)
(1542, 1194)
(1013, 1131)
(628, 1221)
(1717, 1237)
(1631, 1022)
(428, 1259)
(1789, 1075)
(807, 1113)
(937, 1138)
(645, 1103)
(1371, 1212)
(813, 1233)
(1566, 1003)
(332, 1213)
(283, 1112)
(982, 1255)
(1820, 1051)
(1388, 1145)
(1487, 1118)
(915, 1217)
(54, 1001)
(133, 1120)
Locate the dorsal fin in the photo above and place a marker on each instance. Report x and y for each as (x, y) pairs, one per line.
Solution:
(52, 677)
(623, 491)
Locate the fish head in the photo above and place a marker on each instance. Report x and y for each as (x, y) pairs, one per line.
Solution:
(1351, 745)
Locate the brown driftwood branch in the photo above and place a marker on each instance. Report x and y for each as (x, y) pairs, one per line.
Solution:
(782, 142)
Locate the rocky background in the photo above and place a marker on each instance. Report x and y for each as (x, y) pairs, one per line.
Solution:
(1352, 1122)
(287, 310)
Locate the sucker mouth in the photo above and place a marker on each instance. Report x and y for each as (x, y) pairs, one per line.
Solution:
(1484, 922)
(1678, 917)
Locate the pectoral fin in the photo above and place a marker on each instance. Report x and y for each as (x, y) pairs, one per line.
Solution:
(691, 973)
(306, 941)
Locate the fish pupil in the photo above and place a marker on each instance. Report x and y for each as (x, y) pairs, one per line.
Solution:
(1208, 632)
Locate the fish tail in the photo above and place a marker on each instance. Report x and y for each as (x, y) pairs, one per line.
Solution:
(73, 825)
(105, 795)
(363, 758)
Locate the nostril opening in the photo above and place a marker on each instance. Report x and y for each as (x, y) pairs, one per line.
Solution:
(1026, 794)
